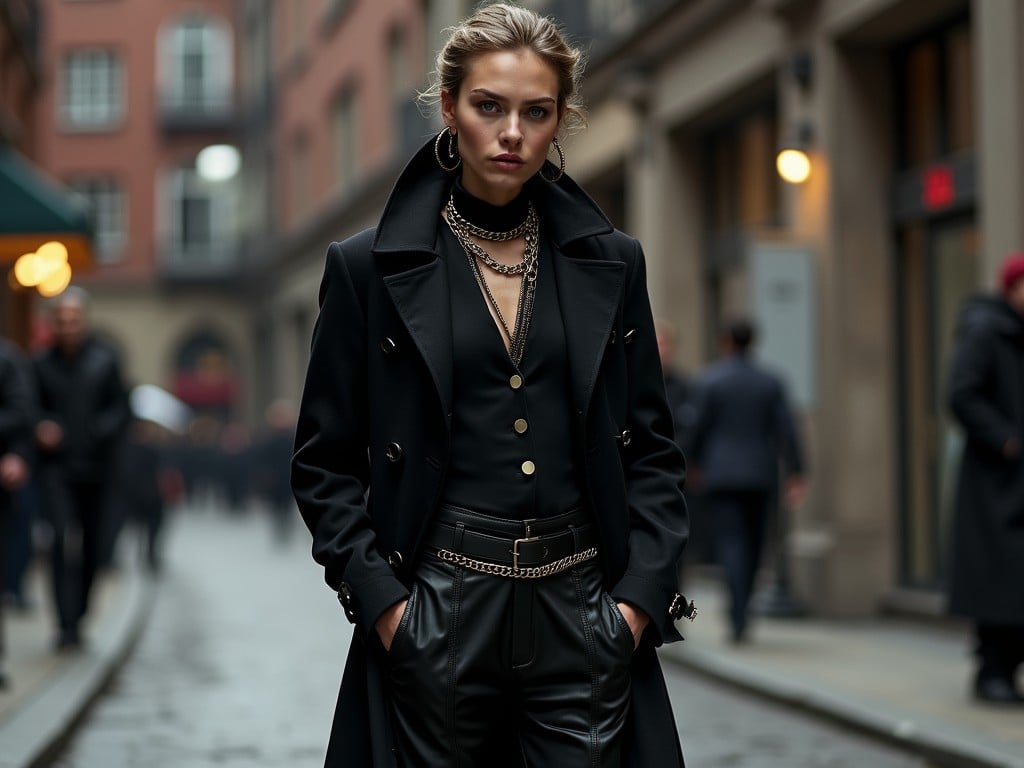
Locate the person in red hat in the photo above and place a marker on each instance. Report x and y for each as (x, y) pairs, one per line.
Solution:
(986, 395)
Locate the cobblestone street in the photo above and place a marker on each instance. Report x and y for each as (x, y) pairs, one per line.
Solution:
(242, 657)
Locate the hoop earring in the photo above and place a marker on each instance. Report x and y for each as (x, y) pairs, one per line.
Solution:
(561, 163)
(452, 150)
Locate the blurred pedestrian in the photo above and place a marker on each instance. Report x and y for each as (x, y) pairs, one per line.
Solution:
(484, 451)
(84, 411)
(16, 414)
(742, 429)
(986, 395)
(272, 470)
(679, 391)
(138, 490)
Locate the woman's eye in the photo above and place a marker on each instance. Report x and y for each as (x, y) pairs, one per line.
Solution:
(487, 106)
(538, 113)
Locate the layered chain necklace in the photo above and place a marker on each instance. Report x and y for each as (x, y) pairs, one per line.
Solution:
(529, 229)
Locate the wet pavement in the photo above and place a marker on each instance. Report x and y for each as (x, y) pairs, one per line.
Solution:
(241, 659)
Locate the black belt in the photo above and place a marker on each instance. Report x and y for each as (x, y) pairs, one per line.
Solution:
(516, 543)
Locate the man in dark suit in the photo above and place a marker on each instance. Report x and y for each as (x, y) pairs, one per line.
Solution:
(742, 429)
(15, 445)
(84, 410)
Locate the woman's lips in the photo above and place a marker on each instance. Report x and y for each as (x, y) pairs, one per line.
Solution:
(508, 162)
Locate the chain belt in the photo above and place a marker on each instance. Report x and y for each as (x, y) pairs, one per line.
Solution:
(514, 572)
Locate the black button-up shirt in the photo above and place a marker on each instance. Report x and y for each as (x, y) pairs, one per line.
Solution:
(511, 453)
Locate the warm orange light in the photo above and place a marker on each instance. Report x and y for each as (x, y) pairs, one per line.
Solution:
(28, 270)
(56, 281)
(46, 269)
(793, 166)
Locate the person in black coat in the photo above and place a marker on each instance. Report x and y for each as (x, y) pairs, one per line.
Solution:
(16, 412)
(741, 432)
(484, 451)
(84, 411)
(986, 395)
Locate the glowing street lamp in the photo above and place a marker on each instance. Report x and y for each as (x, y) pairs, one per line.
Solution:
(218, 162)
(793, 165)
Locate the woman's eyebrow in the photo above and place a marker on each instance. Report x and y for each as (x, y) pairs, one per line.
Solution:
(499, 97)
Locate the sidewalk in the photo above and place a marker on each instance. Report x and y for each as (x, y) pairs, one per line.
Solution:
(49, 692)
(902, 682)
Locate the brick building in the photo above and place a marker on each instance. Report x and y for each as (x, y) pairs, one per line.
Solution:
(911, 113)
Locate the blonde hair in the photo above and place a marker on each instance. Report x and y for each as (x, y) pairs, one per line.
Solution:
(504, 27)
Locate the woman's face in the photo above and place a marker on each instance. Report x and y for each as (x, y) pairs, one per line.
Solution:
(505, 116)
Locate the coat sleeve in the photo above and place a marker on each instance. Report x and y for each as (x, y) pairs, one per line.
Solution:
(973, 365)
(789, 436)
(114, 413)
(330, 466)
(17, 407)
(654, 470)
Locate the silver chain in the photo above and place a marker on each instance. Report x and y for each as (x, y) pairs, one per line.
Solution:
(527, 288)
(510, 572)
(486, 234)
(463, 229)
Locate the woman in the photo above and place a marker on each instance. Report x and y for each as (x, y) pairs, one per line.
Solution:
(484, 453)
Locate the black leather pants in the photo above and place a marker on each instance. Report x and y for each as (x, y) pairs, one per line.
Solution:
(492, 671)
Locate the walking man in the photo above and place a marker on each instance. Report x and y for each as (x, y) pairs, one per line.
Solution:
(986, 395)
(742, 429)
(84, 409)
(15, 444)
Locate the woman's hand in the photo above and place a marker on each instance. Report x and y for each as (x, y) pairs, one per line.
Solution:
(388, 623)
(637, 621)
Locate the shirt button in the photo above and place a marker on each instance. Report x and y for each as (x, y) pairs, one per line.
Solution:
(529, 467)
(520, 426)
(516, 381)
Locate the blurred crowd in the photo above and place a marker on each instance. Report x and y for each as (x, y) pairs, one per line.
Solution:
(83, 457)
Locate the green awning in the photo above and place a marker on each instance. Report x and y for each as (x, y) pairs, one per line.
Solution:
(34, 209)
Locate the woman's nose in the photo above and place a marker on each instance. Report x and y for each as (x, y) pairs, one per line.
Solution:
(512, 132)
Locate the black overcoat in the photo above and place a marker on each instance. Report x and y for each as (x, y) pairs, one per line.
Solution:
(372, 438)
(986, 394)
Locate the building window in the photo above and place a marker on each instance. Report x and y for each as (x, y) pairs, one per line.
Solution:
(345, 129)
(302, 183)
(407, 125)
(196, 66)
(107, 205)
(935, 96)
(93, 91)
(333, 11)
(297, 27)
(201, 219)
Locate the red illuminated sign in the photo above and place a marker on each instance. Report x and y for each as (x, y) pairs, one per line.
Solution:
(938, 189)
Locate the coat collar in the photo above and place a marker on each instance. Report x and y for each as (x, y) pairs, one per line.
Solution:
(589, 288)
(412, 213)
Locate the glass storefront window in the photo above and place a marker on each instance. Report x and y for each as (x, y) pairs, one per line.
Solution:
(935, 96)
(937, 247)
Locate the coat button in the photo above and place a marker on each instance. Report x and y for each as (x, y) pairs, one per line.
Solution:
(528, 468)
(394, 452)
(611, 339)
(388, 345)
(520, 426)
(516, 382)
(627, 337)
(626, 437)
(395, 559)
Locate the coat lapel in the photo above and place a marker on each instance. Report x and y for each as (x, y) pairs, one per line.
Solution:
(421, 297)
(405, 245)
(588, 294)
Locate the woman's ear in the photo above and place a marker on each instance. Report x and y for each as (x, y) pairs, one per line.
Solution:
(448, 108)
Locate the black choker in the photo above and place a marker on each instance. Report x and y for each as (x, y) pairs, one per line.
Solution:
(493, 218)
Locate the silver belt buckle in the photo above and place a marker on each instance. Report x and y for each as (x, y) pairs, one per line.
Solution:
(515, 549)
